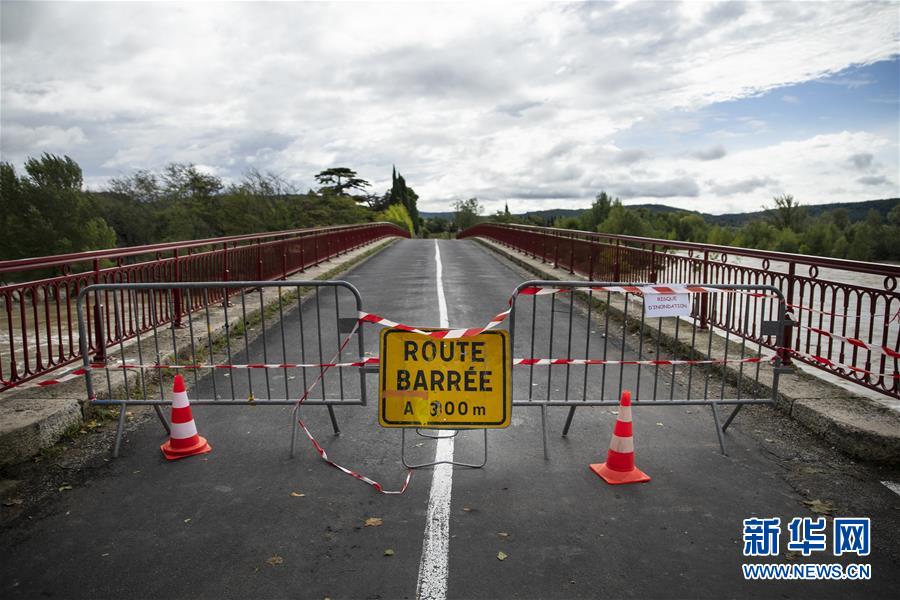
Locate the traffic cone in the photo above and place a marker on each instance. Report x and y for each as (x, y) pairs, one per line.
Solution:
(184, 440)
(619, 466)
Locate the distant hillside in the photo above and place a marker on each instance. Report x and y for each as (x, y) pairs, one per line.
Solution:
(857, 211)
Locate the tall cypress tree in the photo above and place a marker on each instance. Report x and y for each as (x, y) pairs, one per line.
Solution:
(401, 194)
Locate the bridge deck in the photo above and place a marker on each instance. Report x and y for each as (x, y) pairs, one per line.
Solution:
(205, 527)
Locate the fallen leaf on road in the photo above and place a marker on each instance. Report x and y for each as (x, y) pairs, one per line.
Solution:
(274, 561)
(374, 522)
(297, 494)
(388, 552)
(820, 507)
(65, 487)
(501, 555)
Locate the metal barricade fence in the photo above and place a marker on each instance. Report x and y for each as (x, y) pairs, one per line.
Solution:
(293, 327)
(664, 361)
(592, 338)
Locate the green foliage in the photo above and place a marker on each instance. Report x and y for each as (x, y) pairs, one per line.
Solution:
(47, 211)
(787, 213)
(786, 226)
(397, 214)
(624, 221)
(466, 213)
(597, 213)
(52, 215)
(337, 180)
(404, 195)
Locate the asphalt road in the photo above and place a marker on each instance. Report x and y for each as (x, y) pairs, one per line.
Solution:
(226, 525)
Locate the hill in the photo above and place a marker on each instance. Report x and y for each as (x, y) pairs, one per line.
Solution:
(856, 211)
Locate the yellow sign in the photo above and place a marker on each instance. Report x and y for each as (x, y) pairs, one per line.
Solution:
(444, 384)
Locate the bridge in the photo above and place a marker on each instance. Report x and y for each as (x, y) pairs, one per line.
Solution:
(723, 423)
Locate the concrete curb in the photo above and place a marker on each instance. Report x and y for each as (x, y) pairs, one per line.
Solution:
(858, 426)
(33, 419)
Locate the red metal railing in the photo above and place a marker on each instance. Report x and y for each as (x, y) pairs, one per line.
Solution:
(38, 324)
(844, 298)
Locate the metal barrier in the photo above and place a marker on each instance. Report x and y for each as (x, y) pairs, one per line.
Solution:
(297, 327)
(37, 327)
(297, 334)
(663, 361)
(848, 311)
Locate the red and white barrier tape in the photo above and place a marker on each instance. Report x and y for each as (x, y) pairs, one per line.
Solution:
(226, 366)
(836, 365)
(66, 376)
(374, 360)
(363, 478)
(893, 317)
(440, 334)
(320, 450)
(643, 290)
(858, 343)
(661, 362)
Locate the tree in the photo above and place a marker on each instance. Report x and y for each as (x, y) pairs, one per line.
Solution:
(47, 211)
(466, 213)
(396, 214)
(787, 213)
(623, 221)
(51, 171)
(400, 193)
(597, 213)
(142, 186)
(337, 180)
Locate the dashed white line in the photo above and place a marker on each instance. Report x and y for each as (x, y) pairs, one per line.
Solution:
(434, 566)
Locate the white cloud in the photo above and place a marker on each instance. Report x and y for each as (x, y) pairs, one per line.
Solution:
(501, 101)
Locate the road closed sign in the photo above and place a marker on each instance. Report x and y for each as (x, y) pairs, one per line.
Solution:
(451, 384)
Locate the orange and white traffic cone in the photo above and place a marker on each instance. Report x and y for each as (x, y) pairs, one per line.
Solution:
(183, 440)
(619, 466)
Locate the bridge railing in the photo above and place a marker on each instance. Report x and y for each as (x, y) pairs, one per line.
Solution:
(846, 313)
(38, 320)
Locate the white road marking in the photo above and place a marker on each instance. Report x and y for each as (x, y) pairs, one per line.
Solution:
(894, 487)
(434, 567)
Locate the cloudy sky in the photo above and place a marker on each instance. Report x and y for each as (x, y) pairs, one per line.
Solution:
(708, 106)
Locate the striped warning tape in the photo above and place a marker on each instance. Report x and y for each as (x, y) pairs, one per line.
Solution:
(643, 290)
(227, 366)
(440, 334)
(858, 343)
(374, 360)
(318, 447)
(836, 365)
(893, 316)
(352, 473)
(66, 376)
(595, 361)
